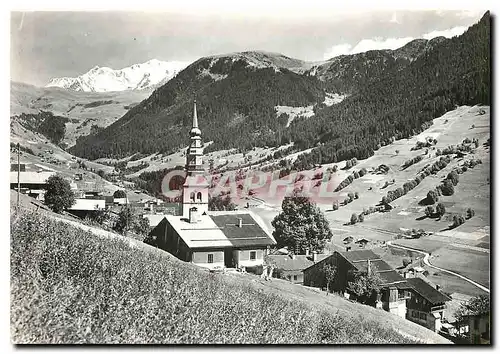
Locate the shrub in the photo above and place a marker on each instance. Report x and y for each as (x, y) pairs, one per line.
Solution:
(429, 211)
(335, 206)
(354, 218)
(470, 213)
(361, 218)
(406, 262)
(356, 195)
(356, 174)
(350, 195)
(362, 172)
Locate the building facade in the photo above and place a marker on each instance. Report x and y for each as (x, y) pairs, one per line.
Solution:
(426, 304)
(394, 289)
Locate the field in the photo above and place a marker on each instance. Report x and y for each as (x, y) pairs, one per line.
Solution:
(89, 289)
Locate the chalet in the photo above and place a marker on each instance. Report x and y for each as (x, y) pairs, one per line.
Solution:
(32, 180)
(394, 287)
(479, 328)
(210, 239)
(426, 304)
(362, 242)
(290, 266)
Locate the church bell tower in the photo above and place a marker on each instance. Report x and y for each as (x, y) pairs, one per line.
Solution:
(195, 188)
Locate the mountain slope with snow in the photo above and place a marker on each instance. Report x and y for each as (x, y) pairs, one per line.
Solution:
(135, 77)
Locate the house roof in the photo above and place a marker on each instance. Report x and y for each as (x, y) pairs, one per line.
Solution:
(299, 262)
(31, 177)
(359, 259)
(361, 255)
(220, 229)
(427, 291)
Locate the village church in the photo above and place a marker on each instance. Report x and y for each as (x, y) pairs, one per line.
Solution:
(210, 239)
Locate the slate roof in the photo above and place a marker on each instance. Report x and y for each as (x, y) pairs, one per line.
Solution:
(359, 259)
(361, 255)
(427, 291)
(220, 229)
(299, 262)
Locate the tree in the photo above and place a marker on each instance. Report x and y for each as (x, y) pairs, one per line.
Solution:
(101, 173)
(447, 188)
(329, 272)
(432, 197)
(119, 194)
(364, 285)
(477, 306)
(221, 202)
(125, 220)
(397, 152)
(350, 195)
(58, 195)
(440, 209)
(301, 224)
(429, 211)
(470, 213)
(354, 218)
(361, 217)
(453, 177)
(335, 205)
(406, 262)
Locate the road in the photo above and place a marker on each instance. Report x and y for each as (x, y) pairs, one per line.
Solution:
(426, 261)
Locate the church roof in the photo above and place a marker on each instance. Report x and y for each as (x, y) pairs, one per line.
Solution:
(221, 230)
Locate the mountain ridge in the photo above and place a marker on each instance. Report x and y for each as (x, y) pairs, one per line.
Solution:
(135, 77)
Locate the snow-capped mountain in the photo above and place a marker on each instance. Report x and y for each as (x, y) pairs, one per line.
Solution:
(135, 77)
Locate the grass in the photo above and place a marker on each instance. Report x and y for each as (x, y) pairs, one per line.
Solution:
(69, 286)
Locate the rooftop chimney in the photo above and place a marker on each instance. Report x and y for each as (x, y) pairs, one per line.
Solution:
(438, 287)
(193, 215)
(369, 268)
(292, 255)
(315, 256)
(240, 222)
(307, 252)
(348, 248)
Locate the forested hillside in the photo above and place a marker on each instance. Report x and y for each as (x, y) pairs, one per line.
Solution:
(236, 103)
(401, 104)
(237, 100)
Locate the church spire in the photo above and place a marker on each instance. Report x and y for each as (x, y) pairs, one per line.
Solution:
(195, 131)
(195, 116)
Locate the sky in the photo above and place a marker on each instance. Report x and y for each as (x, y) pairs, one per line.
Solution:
(48, 44)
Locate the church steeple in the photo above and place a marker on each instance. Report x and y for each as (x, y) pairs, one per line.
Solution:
(195, 130)
(194, 154)
(195, 188)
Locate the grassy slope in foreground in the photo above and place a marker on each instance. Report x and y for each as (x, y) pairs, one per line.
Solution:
(84, 289)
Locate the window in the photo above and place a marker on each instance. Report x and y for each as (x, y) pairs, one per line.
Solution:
(210, 258)
(423, 316)
(295, 277)
(253, 255)
(198, 196)
(289, 277)
(476, 323)
(192, 196)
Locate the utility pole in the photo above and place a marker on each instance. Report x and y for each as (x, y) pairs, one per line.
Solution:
(18, 175)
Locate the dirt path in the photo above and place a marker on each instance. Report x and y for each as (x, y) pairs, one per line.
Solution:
(426, 261)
